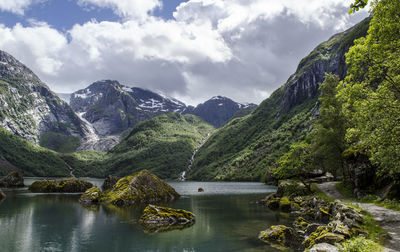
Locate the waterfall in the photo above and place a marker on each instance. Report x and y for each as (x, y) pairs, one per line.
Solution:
(182, 176)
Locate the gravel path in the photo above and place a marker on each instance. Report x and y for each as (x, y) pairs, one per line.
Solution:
(387, 219)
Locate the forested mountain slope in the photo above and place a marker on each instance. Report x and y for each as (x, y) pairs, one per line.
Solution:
(246, 147)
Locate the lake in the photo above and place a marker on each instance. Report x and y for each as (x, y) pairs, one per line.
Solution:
(227, 219)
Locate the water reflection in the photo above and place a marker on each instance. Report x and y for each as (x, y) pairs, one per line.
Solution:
(57, 222)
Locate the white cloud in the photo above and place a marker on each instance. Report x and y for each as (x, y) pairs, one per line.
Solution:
(17, 6)
(243, 49)
(126, 8)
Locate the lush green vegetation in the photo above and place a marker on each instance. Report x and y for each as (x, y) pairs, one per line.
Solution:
(246, 147)
(29, 158)
(163, 145)
(60, 142)
(371, 91)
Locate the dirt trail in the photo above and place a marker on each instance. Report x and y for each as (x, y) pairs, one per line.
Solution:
(387, 219)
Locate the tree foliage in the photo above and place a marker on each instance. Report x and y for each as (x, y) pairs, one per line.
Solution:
(371, 90)
(357, 5)
(329, 128)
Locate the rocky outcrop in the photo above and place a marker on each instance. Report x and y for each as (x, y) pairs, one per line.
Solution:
(13, 179)
(29, 109)
(90, 196)
(2, 195)
(160, 219)
(109, 182)
(70, 185)
(219, 110)
(141, 187)
(318, 221)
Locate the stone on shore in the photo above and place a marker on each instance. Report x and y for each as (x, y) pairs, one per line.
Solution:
(13, 179)
(278, 235)
(2, 195)
(70, 185)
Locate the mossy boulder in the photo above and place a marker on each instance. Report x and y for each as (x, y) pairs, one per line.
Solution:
(2, 195)
(300, 224)
(13, 179)
(141, 187)
(109, 182)
(91, 196)
(157, 219)
(200, 189)
(70, 185)
(285, 205)
(291, 188)
(278, 235)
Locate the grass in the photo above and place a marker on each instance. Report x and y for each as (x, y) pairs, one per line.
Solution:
(347, 191)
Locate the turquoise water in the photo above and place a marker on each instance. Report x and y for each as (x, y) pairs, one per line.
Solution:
(227, 219)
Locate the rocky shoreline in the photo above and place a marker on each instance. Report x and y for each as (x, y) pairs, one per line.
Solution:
(319, 223)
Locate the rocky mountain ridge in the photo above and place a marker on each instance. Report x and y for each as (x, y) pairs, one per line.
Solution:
(30, 110)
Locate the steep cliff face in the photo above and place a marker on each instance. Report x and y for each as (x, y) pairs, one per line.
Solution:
(245, 147)
(328, 57)
(30, 110)
(219, 110)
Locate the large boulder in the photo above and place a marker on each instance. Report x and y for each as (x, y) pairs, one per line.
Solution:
(141, 187)
(156, 219)
(2, 195)
(109, 182)
(13, 179)
(279, 235)
(70, 185)
(91, 196)
(324, 247)
(291, 188)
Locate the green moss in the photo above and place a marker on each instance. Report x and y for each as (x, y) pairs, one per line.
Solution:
(140, 187)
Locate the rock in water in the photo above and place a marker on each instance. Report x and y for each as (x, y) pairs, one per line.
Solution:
(160, 219)
(2, 195)
(13, 179)
(200, 189)
(70, 185)
(109, 182)
(141, 187)
(91, 196)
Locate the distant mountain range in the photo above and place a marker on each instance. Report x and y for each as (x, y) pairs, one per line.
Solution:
(109, 108)
(94, 118)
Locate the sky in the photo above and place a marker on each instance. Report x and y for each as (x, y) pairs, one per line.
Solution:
(188, 49)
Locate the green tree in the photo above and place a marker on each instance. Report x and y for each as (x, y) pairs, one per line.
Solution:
(371, 90)
(357, 5)
(297, 163)
(329, 129)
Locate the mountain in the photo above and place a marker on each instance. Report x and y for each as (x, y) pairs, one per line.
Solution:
(219, 110)
(110, 109)
(30, 110)
(245, 147)
(113, 108)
